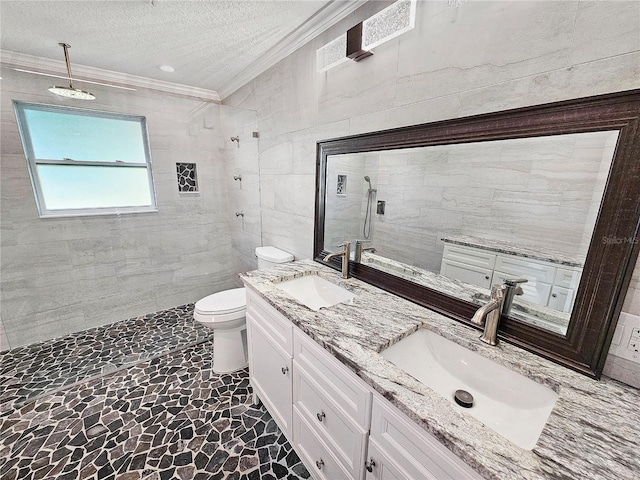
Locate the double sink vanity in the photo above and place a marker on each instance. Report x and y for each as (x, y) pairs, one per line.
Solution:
(383, 375)
(363, 387)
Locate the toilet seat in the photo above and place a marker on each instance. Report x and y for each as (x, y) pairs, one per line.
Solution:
(228, 302)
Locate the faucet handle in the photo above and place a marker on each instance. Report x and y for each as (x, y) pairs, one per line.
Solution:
(360, 242)
(513, 282)
(345, 245)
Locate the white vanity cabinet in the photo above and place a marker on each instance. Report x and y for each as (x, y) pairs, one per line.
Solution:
(549, 284)
(337, 424)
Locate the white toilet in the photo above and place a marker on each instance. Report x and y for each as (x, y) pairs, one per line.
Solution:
(225, 312)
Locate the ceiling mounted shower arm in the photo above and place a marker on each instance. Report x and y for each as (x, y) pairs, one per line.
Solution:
(65, 47)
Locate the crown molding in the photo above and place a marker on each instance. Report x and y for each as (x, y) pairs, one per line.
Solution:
(82, 72)
(317, 24)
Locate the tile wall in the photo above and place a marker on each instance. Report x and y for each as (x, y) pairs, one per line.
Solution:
(478, 58)
(62, 275)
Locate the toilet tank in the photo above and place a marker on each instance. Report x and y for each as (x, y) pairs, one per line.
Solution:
(271, 256)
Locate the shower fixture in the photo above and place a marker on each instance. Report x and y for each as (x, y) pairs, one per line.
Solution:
(239, 214)
(366, 228)
(70, 91)
(236, 139)
(237, 177)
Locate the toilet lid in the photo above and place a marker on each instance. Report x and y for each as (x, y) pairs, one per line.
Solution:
(228, 301)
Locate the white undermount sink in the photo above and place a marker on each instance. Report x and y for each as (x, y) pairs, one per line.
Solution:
(510, 404)
(315, 292)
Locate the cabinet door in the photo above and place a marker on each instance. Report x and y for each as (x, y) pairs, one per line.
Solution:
(561, 299)
(467, 273)
(419, 453)
(270, 374)
(380, 467)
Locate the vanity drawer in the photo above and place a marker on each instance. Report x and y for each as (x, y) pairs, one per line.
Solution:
(521, 267)
(469, 256)
(346, 439)
(343, 387)
(466, 273)
(280, 329)
(419, 453)
(315, 454)
(567, 278)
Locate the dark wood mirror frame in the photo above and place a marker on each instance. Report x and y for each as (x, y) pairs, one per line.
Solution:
(614, 245)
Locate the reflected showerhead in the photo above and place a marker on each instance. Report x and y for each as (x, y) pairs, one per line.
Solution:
(368, 180)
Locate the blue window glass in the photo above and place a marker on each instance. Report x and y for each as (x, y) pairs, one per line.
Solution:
(85, 162)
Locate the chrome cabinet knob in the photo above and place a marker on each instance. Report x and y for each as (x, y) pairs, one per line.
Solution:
(320, 464)
(320, 415)
(369, 465)
(285, 370)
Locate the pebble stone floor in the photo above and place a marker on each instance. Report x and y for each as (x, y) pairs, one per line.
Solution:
(45, 367)
(170, 417)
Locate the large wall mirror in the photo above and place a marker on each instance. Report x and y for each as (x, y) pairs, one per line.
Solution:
(548, 194)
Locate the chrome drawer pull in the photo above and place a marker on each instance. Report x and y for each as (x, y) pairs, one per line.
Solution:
(285, 370)
(319, 464)
(320, 415)
(369, 465)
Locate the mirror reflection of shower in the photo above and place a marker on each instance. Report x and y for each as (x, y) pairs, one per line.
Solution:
(366, 228)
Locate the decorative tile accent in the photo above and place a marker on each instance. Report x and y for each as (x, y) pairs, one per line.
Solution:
(45, 367)
(341, 186)
(168, 418)
(187, 177)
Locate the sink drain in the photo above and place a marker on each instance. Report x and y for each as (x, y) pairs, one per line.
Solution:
(463, 398)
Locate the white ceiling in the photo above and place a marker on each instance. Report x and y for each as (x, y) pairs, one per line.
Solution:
(213, 44)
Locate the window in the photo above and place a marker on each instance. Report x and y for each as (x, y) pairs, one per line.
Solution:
(85, 162)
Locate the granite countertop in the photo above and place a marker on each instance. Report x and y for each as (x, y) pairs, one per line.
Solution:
(534, 314)
(548, 255)
(592, 432)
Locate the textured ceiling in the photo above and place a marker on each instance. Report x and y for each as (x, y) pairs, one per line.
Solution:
(207, 42)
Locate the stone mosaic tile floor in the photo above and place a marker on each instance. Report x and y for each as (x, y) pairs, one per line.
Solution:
(168, 418)
(45, 367)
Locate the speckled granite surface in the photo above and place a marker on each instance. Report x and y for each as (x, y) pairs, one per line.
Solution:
(528, 312)
(548, 255)
(592, 431)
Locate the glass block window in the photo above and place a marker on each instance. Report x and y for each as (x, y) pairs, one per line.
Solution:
(187, 177)
(332, 54)
(86, 162)
(389, 23)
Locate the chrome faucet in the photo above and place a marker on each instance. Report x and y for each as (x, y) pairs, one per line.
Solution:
(345, 254)
(360, 249)
(512, 289)
(489, 315)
